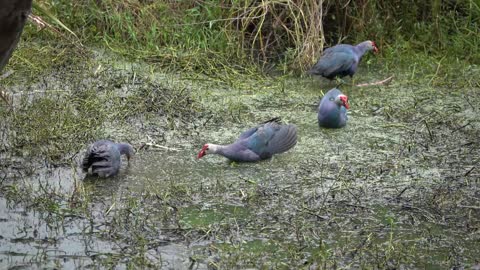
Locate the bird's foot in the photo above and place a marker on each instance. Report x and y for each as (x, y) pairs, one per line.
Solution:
(339, 82)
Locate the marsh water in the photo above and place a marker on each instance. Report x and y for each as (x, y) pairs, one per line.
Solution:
(396, 188)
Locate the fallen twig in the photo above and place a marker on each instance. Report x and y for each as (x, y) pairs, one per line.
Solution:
(457, 129)
(382, 82)
(401, 193)
(469, 171)
(158, 146)
(41, 24)
(153, 144)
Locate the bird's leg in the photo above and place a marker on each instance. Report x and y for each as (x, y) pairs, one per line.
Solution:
(352, 80)
(339, 82)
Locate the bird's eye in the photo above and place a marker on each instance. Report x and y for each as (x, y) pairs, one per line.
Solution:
(332, 99)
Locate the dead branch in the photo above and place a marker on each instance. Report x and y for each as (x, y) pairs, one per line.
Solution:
(382, 82)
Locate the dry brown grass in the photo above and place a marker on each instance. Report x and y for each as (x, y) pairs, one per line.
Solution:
(287, 30)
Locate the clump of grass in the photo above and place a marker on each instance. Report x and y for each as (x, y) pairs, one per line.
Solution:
(55, 123)
(54, 126)
(287, 31)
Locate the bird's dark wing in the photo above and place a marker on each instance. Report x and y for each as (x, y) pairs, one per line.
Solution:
(103, 157)
(272, 138)
(251, 131)
(284, 138)
(333, 62)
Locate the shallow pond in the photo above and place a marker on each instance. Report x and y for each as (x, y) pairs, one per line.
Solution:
(397, 188)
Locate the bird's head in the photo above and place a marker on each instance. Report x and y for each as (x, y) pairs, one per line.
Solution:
(131, 153)
(374, 46)
(126, 149)
(342, 100)
(205, 150)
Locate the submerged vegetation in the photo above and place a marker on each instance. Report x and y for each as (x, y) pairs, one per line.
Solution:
(397, 188)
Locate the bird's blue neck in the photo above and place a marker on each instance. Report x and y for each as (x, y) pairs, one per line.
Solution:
(229, 151)
(125, 149)
(362, 48)
(217, 149)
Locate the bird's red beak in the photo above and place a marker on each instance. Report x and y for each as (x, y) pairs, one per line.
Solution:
(202, 152)
(344, 100)
(375, 48)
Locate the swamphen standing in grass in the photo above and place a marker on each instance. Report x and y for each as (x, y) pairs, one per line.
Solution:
(104, 157)
(341, 60)
(332, 111)
(258, 143)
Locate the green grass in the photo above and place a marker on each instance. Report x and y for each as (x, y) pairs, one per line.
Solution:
(228, 36)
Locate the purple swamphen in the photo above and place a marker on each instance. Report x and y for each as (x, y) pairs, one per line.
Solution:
(104, 157)
(332, 111)
(258, 143)
(341, 60)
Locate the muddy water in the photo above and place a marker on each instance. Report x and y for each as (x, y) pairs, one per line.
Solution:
(374, 185)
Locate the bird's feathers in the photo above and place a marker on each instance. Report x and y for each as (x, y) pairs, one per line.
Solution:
(340, 60)
(334, 63)
(251, 131)
(103, 157)
(271, 138)
(260, 142)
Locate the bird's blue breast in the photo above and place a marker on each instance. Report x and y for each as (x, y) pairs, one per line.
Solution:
(330, 114)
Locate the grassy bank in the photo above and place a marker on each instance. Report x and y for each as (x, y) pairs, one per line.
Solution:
(217, 36)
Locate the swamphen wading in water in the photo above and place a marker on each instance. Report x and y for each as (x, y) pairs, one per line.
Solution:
(341, 60)
(104, 157)
(332, 111)
(258, 143)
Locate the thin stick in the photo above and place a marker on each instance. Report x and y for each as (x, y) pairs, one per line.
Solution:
(382, 82)
(160, 146)
(469, 171)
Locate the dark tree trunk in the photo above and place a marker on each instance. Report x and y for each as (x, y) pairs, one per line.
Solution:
(13, 15)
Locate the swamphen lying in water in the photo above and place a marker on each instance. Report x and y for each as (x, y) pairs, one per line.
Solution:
(341, 60)
(332, 111)
(258, 143)
(104, 157)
